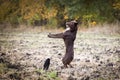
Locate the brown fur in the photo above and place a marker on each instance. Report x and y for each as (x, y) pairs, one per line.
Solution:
(68, 36)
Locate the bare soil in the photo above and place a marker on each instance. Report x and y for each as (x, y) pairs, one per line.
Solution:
(22, 55)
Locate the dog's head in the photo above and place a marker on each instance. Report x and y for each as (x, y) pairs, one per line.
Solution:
(72, 26)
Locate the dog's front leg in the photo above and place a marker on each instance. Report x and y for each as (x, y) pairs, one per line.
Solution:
(59, 35)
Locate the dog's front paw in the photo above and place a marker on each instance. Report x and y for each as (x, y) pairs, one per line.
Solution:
(49, 35)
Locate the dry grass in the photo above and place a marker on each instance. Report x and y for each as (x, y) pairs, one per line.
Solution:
(105, 29)
(113, 28)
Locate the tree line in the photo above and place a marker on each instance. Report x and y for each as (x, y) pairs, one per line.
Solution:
(56, 12)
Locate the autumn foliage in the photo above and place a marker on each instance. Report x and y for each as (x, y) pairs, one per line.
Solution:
(56, 12)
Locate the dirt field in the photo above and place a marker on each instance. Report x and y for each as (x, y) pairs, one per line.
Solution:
(96, 56)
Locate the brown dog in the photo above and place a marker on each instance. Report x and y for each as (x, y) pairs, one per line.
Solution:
(68, 36)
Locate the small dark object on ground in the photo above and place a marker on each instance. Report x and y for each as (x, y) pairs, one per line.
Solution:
(46, 64)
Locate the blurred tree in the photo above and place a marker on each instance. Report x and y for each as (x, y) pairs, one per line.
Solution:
(116, 7)
(9, 11)
(57, 12)
(32, 10)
